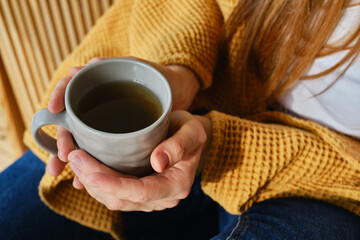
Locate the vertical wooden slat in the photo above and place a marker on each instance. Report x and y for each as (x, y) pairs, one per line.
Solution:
(78, 21)
(95, 9)
(55, 48)
(86, 11)
(69, 23)
(43, 37)
(15, 126)
(28, 50)
(35, 36)
(105, 4)
(12, 66)
(59, 28)
(19, 51)
(40, 64)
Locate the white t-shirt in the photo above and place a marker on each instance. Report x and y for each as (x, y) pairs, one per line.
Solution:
(339, 106)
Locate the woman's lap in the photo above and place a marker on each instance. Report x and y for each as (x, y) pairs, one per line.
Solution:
(24, 216)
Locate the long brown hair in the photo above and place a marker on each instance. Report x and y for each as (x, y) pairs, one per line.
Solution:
(281, 38)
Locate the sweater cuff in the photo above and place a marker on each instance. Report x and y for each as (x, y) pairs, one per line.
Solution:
(214, 159)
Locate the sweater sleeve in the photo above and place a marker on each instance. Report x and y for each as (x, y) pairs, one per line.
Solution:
(278, 156)
(185, 32)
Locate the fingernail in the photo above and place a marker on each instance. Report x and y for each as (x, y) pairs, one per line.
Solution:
(163, 160)
(76, 170)
(76, 161)
(50, 171)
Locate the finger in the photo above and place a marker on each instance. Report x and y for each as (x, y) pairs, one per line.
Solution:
(146, 189)
(115, 204)
(55, 166)
(57, 97)
(161, 68)
(181, 146)
(95, 59)
(89, 165)
(74, 70)
(109, 200)
(97, 195)
(128, 206)
(65, 143)
(77, 184)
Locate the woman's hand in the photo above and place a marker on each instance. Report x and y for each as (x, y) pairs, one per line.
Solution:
(65, 142)
(175, 161)
(183, 83)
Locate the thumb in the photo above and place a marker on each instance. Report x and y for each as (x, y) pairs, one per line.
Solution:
(181, 146)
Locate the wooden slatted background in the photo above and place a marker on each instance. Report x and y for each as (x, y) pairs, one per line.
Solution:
(35, 35)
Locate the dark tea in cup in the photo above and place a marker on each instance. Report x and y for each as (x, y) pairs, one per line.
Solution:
(119, 107)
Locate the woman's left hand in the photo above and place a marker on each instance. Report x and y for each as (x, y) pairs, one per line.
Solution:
(175, 161)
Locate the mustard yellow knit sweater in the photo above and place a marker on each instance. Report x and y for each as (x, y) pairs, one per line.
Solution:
(268, 155)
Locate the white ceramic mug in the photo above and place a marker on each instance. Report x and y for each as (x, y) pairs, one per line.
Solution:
(126, 152)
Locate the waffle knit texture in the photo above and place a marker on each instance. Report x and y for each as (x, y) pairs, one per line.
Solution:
(251, 159)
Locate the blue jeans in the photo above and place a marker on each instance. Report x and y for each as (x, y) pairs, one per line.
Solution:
(24, 216)
(291, 218)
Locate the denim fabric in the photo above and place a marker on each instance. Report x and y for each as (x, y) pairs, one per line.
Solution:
(22, 214)
(292, 218)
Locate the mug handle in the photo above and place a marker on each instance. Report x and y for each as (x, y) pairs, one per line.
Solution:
(45, 117)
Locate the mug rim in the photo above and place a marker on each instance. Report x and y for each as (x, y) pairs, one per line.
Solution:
(165, 112)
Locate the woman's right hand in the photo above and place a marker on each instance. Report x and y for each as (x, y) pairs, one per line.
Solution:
(65, 142)
(183, 83)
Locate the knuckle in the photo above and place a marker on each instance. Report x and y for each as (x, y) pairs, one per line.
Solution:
(169, 204)
(199, 130)
(178, 148)
(62, 156)
(148, 210)
(142, 198)
(62, 83)
(184, 190)
(184, 194)
(91, 180)
(173, 204)
(202, 135)
(114, 205)
(96, 59)
(165, 205)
